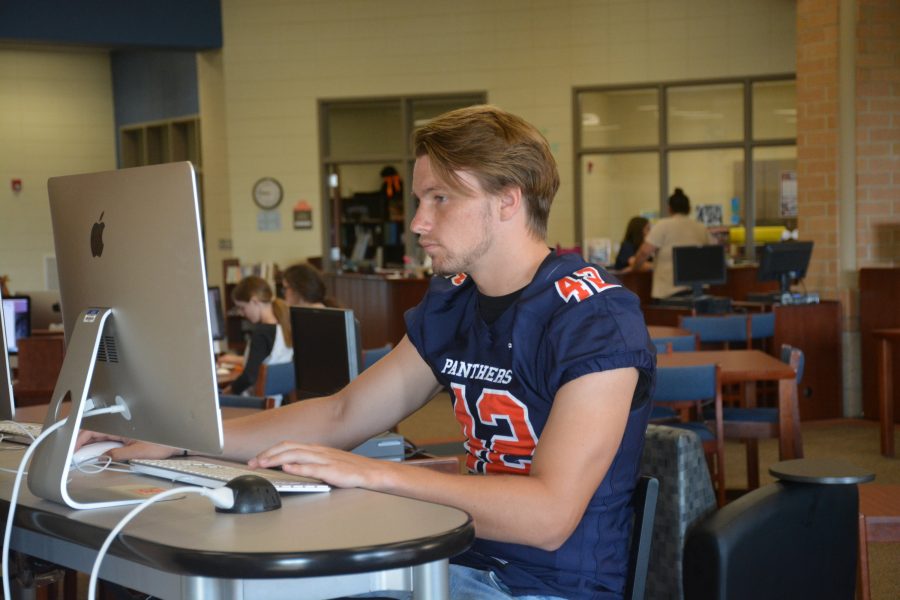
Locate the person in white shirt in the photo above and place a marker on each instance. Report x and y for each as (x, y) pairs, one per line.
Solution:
(678, 229)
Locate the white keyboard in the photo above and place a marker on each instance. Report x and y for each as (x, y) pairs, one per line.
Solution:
(20, 433)
(207, 473)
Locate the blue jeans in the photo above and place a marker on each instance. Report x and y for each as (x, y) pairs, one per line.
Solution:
(468, 584)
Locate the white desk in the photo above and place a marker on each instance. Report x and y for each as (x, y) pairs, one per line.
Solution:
(316, 546)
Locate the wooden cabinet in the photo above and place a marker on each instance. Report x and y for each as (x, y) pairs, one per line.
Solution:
(378, 302)
(879, 289)
(815, 329)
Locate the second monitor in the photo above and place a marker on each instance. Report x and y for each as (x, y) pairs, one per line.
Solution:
(327, 353)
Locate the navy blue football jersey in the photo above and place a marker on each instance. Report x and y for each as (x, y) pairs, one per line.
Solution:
(571, 320)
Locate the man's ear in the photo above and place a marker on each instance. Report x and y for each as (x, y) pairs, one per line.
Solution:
(511, 202)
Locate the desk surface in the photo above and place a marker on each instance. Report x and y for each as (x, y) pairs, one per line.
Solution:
(658, 331)
(737, 365)
(315, 534)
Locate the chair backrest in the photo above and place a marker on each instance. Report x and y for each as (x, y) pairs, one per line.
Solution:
(719, 329)
(678, 343)
(644, 502)
(676, 459)
(794, 357)
(762, 325)
(680, 384)
(370, 356)
(783, 540)
(275, 379)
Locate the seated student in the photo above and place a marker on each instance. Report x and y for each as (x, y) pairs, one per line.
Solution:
(635, 232)
(303, 286)
(270, 337)
(549, 366)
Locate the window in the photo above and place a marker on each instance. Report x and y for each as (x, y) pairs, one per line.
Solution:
(635, 145)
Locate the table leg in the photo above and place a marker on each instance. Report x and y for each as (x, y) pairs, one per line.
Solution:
(431, 581)
(862, 565)
(886, 397)
(790, 443)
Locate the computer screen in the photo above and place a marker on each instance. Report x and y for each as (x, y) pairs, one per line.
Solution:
(697, 266)
(134, 304)
(326, 350)
(216, 314)
(784, 262)
(17, 316)
(7, 406)
(45, 309)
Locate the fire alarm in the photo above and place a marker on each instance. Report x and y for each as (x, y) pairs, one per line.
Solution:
(16, 185)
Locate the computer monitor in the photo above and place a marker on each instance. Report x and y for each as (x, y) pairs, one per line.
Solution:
(17, 316)
(783, 262)
(696, 266)
(45, 308)
(136, 318)
(7, 405)
(327, 354)
(216, 314)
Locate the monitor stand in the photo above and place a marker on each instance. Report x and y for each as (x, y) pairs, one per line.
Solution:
(48, 473)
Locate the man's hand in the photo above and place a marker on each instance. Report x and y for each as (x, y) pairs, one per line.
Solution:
(131, 449)
(335, 467)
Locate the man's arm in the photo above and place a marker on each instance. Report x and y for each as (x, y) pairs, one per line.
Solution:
(643, 254)
(379, 398)
(579, 442)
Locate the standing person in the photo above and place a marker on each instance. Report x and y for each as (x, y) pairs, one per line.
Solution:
(635, 232)
(270, 335)
(678, 229)
(547, 360)
(304, 286)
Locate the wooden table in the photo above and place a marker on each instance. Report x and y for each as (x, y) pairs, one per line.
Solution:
(884, 360)
(750, 366)
(658, 331)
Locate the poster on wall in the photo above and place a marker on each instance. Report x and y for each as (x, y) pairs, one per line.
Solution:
(787, 205)
(268, 220)
(302, 215)
(709, 214)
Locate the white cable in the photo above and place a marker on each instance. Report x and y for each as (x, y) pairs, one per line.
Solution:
(14, 497)
(222, 497)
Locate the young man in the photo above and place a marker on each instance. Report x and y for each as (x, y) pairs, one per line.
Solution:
(547, 360)
(678, 229)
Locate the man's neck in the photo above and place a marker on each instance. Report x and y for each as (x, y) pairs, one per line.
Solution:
(512, 270)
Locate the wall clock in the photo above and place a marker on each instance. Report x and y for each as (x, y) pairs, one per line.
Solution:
(267, 193)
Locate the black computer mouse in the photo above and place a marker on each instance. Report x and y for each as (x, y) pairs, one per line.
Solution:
(252, 494)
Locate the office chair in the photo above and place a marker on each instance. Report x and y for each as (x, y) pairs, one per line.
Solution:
(275, 381)
(782, 541)
(372, 355)
(752, 424)
(721, 330)
(687, 390)
(676, 343)
(675, 458)
(240, 401)
(643, 500)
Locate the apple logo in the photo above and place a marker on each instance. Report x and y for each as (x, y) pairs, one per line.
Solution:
(97, 236)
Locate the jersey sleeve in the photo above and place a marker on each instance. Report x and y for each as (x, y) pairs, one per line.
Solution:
(603, 333)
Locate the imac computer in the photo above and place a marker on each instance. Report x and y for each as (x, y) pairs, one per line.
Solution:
(7, 405)
(136, 317)
(696, 267)
(17, 317)
(327, 354)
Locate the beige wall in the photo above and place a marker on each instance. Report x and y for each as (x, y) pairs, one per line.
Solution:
(56, 118)
(280, 57)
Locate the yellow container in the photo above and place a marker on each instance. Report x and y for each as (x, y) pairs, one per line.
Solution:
(761, 234)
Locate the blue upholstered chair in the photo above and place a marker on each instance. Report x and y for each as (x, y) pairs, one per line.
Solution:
(726, 330)
(676, 343)
(753, 424)
(687, 390)
(675, 457)
(275, 381)
(370, 356)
